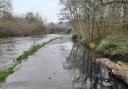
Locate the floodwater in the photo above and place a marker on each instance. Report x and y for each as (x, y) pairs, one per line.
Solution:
(44, 70)
(11, 48)
(89, 74)
(54, 67)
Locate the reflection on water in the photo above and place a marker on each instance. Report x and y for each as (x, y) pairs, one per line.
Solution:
(88, 74)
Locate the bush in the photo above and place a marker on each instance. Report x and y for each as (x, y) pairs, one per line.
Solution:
(107, 46)
(75, 37)
(83, 41)
(18, 26)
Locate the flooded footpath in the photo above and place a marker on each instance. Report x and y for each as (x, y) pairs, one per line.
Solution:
(44, 69)
(62, 65)
(11, 48)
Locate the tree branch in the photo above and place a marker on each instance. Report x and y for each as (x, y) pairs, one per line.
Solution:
(2, 6)
(114, 2)
(4, 11)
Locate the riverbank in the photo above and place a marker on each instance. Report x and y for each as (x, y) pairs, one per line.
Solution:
(112, 47)
(119, 69)
(94, 75)
(11, 48)
(5, 73)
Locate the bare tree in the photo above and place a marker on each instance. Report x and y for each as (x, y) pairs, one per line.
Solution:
(5, 7)
(95, 17)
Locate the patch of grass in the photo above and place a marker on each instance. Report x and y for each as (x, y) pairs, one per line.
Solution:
(113, 43)
(84, 41)
(114, 47)
(31, 51)
(106, 46)
(5, 73)
(123, 48)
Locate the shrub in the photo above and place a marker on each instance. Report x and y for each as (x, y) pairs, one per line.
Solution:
(74, 37)
(83, 41)
(18, 26)
(107, 46)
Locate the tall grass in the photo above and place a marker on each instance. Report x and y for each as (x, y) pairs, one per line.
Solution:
(5, 73)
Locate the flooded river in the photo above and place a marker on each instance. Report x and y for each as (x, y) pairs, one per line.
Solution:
(54, 67)
(11, 48)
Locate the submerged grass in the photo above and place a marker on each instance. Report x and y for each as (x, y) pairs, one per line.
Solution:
(5, 73)
(31, 51)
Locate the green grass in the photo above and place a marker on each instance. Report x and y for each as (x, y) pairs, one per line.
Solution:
(31, 51)
(5, 73)
(115, 47)
(106, 46)
(116, 44)
(84, 41)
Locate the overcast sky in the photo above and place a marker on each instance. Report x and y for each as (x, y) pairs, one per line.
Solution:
(47, 8)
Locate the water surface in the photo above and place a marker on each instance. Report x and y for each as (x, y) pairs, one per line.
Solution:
(11, 48)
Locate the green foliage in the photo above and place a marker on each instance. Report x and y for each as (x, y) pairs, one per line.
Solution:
(5, 73)
(31, 51)
(75, 37)
(123, 48)
(84, 41)
(106, 46)
(115, 47)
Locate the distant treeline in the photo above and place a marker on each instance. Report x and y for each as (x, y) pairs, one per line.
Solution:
(59, 28)
(27, 25)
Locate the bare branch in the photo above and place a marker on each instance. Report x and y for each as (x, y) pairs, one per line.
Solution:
(2, 6)
(114, 2)
(4, 11)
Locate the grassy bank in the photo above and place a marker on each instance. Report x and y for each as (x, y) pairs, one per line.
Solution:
(5, 73)
(112, 47)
